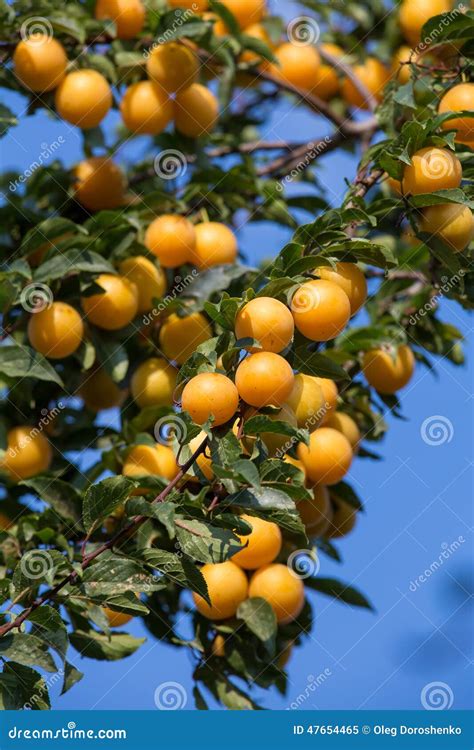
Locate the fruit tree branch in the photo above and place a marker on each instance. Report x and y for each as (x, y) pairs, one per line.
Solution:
(120, 536)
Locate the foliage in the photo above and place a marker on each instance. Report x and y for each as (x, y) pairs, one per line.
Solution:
(90, 542)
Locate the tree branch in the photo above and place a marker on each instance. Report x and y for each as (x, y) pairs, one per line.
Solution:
(336, 62)
(121, 535)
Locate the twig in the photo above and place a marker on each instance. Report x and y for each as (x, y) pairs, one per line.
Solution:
(336, 62)
(304, 154)
(121, 535)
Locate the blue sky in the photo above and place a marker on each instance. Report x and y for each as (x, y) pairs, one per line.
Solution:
(418, 505)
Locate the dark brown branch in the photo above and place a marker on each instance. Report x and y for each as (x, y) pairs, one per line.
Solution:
(302, 156)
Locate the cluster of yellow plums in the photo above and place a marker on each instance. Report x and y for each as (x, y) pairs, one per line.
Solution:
(319, 309)
(434, 169)
(83, 97)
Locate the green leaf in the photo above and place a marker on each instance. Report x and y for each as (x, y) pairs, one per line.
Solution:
(23, 362)
(71, 677)
(320, 365)
(162, 512)
(73, 261)
(338, 590)
(23, 688)
(456, 195)
(232, 697)
(271, 505)
(206, 543)
(112, 355)
(112, 574)
(28, 650)
(181, 570)
(102, 499)
(47, 231)
(7, 119)
(260, 618)
(110, 647)
(263, 423)
(61, 496)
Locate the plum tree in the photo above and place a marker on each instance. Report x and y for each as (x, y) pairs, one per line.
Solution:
(263, 544)
(40, 62)
(179, 336)
(83, 98)
(240, 380)
(275, 442)
(227, 586)
(281, 589)
(268, 321)
(57, 331)
(390, 370)
(264, 379)
(153, 383)
(116, 306)
(210, 395)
